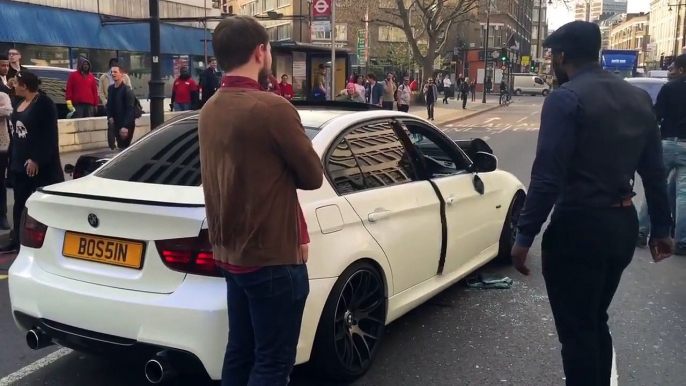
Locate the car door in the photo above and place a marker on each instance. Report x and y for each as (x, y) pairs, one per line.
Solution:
(400, 212)
(468, 213)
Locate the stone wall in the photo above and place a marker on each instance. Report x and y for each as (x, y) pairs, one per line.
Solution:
(91, 133)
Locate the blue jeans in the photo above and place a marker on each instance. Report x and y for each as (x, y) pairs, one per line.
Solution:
(644, 217)
(674, 155)
(182, 106)
(265, 314)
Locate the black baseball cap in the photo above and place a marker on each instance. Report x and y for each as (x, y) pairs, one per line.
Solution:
(575, 39)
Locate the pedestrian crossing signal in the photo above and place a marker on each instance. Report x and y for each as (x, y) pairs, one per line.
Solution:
(503, 54)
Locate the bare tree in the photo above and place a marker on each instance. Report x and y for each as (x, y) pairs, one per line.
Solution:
(428, 21)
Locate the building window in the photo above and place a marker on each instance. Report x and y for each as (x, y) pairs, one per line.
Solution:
(283, 3)
(389, 33)
(44, 55)
(100, 59)
(534, 32)
(323, 31)
(284, 32)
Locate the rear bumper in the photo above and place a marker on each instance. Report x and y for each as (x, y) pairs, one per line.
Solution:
(87, 317)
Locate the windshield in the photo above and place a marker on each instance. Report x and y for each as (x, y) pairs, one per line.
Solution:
(653, 88)
(167, 156)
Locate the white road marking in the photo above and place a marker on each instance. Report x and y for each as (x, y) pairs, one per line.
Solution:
(33, 367)
(491, 119)
(534, 113)
(522, 119)
(486, 138)
(614, 377)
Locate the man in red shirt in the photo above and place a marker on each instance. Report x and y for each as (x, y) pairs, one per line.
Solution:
(286, 88)
(185, 92)
(82, 91)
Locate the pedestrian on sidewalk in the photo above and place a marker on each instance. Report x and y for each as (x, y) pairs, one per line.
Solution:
(184, 92)
(430, 97)
(376, 91)
(404, 95)
(447, 84)
(472, 90)
(389, 90)
(34, 148)
(286, 88)
(208, 81)
(252, 165)
(464, 90)
(360, 89)
(5, 113)
(82, 90)
(590, 146)
(106, 80)
(121, 119)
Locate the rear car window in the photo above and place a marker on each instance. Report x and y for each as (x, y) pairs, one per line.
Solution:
(167, 156)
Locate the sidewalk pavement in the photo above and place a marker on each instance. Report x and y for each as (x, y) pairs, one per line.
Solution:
(453, 112)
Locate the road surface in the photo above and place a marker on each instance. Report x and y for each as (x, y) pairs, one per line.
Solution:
(462, 336)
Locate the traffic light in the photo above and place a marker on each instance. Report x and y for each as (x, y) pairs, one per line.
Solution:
(503, 54)
(532, 67)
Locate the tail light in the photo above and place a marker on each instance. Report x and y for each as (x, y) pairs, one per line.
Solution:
(32, 231)
(189, 255)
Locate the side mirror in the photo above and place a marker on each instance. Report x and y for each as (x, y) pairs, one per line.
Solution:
(484, 162)
(69, 169)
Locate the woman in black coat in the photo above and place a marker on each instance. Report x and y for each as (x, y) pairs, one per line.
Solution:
(34, 155)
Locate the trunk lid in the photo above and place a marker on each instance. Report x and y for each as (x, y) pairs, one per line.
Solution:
(102, 231)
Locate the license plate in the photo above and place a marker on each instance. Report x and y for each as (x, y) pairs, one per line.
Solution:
(123, 253)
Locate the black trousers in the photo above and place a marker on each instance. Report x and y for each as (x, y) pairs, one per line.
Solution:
(115, 141)
(3, 183)
(83, 110)
(430, 110)
(403, 108)
(387, 105)
(24, 186)
(464, 100)
(585, 252)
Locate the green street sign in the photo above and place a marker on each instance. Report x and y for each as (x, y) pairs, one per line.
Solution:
(360, 43)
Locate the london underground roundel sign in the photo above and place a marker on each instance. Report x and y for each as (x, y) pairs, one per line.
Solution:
(321, 8)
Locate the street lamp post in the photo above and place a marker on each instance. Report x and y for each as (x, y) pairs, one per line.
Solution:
(488, 27)
(156, 83)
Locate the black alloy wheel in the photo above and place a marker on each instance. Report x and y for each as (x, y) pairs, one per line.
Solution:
(352, 324)
(509, 232)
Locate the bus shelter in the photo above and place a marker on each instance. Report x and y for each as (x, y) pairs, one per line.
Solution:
(301, 61)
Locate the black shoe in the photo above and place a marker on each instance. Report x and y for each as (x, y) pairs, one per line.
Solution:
(642, 241)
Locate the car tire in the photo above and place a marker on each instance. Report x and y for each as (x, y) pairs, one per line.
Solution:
(507, 236)
(351, 321)
(518, 92)
(545, 92)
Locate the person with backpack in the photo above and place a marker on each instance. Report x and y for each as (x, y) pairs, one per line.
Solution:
(106, 81)
(404, 95)
(121, 111)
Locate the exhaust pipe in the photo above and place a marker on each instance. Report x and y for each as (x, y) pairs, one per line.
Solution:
(159, 369)
(37, 339)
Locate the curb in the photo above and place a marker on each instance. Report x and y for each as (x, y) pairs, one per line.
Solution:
(462, 118)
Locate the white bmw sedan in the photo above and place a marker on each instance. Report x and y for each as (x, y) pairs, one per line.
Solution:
(118, 262)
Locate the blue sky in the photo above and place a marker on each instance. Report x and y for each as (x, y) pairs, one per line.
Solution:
(558, 14)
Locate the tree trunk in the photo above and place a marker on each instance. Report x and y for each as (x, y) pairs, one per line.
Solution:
(427, 64)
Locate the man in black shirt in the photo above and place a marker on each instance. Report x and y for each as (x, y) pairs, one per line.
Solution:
(670, 108)
(209, 81)
(120, 111)
(590, 146)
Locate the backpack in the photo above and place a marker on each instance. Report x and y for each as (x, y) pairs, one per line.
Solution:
(137, 108)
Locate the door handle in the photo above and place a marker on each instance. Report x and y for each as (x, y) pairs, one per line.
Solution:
(451, 200)
(378, 215)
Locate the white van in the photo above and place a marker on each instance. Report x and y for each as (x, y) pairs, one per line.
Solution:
(530, 84)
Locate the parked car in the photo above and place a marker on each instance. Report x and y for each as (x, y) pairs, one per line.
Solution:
(651, 85)
(118, 262)
(54, 84)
